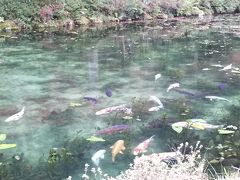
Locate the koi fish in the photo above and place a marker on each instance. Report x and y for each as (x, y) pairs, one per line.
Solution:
(113, 129)
(157, 76)
(97, 156)
(216, 98)
(141, 148)
(226, 67)
(155, 108)
(69, 178)
(122, 108)
(117, 147)
(216, 65)
(108, 92)
(198, 124)
(91, 99)
(16, 116)
(157, 100)
(174, 85)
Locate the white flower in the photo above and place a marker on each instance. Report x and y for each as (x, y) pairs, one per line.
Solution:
(84, 176)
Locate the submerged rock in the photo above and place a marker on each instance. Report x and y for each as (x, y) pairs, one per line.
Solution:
(9, 26)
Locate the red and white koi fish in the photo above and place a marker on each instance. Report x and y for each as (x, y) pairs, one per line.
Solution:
(141, 148)
(16, 116)
(115, 108)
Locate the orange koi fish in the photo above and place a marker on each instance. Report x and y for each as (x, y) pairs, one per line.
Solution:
(117, 147)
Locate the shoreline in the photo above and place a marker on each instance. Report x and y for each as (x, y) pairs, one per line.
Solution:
(8, 27)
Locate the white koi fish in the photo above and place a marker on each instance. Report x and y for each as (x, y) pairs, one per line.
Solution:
(97, 156)
(226, 67)
(216, 65)
(174, 85)
(115, 108)
(206, 69)
(16, 116)
(216, 98)
(69, 178)
(141, 148)
(156, 100)
(157, 76)
(156, 108)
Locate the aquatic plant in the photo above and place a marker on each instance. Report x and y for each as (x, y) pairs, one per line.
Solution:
(232, 174)
(140, 106)
(60, 161)
(184, 166)
(5, 146)
(175, 73)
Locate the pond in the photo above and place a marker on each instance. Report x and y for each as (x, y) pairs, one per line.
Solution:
(63, 78)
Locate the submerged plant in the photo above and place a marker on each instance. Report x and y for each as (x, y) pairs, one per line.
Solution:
(183, 166)
(5, 146)
(56, 156)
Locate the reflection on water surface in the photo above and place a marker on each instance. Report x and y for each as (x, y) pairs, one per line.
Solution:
(63, 80)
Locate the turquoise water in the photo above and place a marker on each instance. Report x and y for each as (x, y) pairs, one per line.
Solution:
(48, 72)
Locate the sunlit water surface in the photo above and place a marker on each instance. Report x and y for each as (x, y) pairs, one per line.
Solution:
(47, 73)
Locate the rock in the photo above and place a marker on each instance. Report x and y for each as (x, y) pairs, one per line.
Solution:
(170, 6)
(97, 20)
(9, 26)
(82, 21)
(147, 16)
(162, 16)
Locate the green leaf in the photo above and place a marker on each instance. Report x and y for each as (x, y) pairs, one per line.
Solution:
(95, 139)
(196, 120)
(1, 19)
(3, 137)
(223, 131)
(177, 129)
(197, 126)
(7, 146)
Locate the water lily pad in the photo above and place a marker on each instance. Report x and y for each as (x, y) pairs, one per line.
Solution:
(197, 126)
(196, 120)
(177, 129)
(95, 139)
(223, 131)
(1, 19)
(3, 137)
(7, 146)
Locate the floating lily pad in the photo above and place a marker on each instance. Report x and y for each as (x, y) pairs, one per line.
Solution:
(177, 129)
(223, 131)
(3, 137)
(95, 139)
(1, 19)
(197, 126)
(7, 146)
(196, 120)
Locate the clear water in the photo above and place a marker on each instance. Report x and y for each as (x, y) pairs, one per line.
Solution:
(46, 72)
